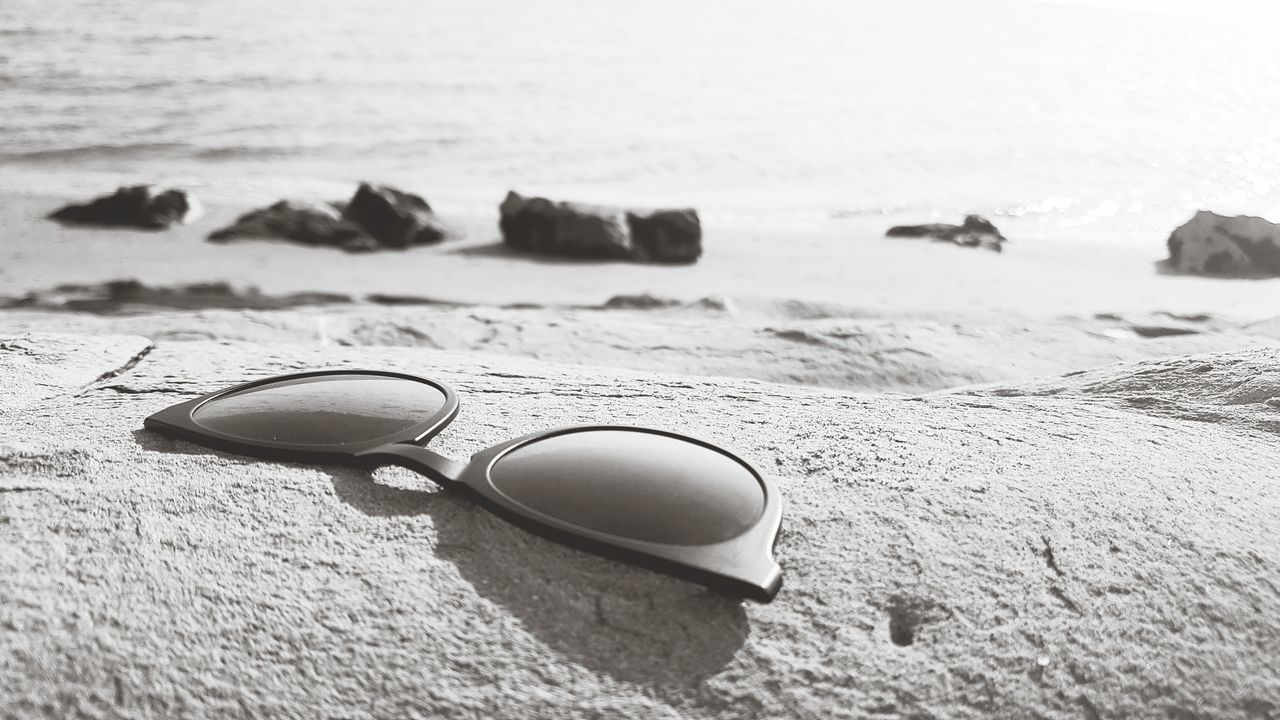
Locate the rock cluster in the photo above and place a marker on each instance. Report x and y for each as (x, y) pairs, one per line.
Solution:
(592, 231)
(375, 218)
(1213, 244)
(297, 221)
(976, 231)
(382, 217)
(140, 206)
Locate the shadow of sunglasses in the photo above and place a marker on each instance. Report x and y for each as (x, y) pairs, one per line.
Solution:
(652, 498)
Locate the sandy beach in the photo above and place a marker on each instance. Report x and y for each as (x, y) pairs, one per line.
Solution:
(844, 262)
(982, 435)
(834, 304)
(1100, 545)
(1039, 481)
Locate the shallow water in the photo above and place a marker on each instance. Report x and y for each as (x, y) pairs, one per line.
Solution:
(1097, 117)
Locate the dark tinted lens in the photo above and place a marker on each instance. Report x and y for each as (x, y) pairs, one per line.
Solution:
(634, 484)
(323, 410)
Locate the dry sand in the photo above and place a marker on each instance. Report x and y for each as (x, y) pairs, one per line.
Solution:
(1100, 547)
(898, 353)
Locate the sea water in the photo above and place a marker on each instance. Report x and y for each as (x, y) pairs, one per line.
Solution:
(747, 108)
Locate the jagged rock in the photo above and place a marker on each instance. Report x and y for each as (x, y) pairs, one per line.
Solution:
(976, 231)
(300, 222)
(1213, 244)
(666, 236)
(377, 217)
(394, 218)
(1077, 552)
(138, 206)
(539, 225)
(593, 231)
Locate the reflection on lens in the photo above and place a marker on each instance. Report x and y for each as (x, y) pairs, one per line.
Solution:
(634, 484)
(322, 410)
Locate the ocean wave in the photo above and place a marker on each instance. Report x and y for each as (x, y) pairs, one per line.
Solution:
(873, 210)
(171, 38)
(241, 152)
(406, 147)
(1046, 206)
(126, 37)
(22, 32)
(97, 152)
(1041, 207)
(75, 82)
(150, 150)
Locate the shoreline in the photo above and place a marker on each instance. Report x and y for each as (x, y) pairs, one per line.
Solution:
(833, 304)
(844, 262)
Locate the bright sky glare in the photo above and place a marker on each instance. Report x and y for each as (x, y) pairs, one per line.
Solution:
(1226, 9)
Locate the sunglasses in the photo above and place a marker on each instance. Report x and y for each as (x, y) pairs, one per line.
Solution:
(652, 498)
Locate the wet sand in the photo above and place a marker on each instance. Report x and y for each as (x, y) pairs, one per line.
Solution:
(830, 303)
(1044, 271)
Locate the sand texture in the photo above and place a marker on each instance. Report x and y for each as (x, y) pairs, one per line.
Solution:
(797, 343)
(1066, 548)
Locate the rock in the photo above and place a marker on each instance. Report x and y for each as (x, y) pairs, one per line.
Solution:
(1062, 556)
(704, 306)
(377, 217)
(138, 206)
(644, 301)
(976, 231)
(592, 231)
(666, 236)
(300, 222)
(394, 218)
(541, 226)
(132, 296)
(1213, 244)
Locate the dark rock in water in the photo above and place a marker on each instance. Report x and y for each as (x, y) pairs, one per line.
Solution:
(1157, 331)
(666, 236)
(976, 231)
(394, 218)
(138, 206)
(1213, 244)
(376, 218)
(592, 231)
(300, 222)
(541, 226)
(528, 223)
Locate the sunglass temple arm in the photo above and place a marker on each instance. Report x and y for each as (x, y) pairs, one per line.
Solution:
(439, 468)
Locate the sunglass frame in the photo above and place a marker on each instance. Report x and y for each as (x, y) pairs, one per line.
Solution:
(742, 566)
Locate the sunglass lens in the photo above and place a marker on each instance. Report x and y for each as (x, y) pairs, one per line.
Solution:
(323, 410)
(634, 484)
